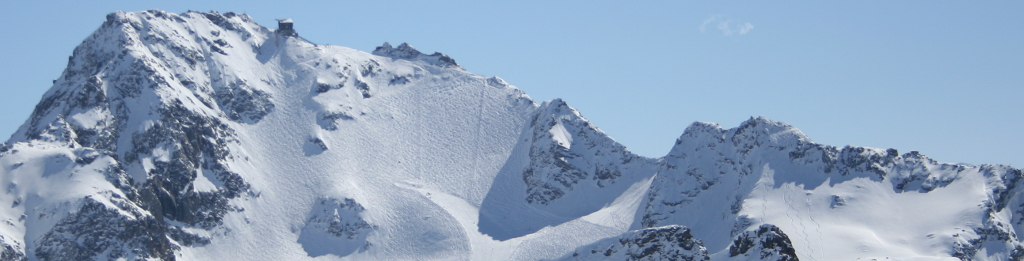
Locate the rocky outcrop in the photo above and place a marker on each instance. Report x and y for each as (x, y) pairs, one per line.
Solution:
(335, 227)
(661, 243)
(406, 51)
(766, 243)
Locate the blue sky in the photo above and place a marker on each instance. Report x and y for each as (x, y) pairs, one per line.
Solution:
(942, 77)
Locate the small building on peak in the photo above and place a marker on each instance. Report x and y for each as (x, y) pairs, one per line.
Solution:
(284, 26)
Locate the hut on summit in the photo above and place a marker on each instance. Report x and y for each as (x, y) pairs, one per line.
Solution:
(284, 27)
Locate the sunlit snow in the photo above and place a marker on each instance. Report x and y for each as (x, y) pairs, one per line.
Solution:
(399, 155)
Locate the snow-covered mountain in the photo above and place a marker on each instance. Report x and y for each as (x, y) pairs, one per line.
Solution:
(205, 136)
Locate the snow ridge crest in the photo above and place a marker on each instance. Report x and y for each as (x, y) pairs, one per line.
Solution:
(406, 51)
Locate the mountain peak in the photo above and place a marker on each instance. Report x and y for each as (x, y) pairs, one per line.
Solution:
(752, 132)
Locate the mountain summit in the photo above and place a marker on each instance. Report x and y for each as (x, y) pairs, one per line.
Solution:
(205, 136)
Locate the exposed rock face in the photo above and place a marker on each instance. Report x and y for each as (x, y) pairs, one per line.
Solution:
(767, 242)
(563, 168)
(566, 152)
(99, 232)
(243, 103)
(661, 243)
(406, 51)
(12, 252)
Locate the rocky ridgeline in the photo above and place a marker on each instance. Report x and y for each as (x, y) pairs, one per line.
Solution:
(138, 152)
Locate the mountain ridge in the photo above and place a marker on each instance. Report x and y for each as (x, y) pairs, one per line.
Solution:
(184, 136)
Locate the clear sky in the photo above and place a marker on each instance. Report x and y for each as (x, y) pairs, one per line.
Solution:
(942, 77)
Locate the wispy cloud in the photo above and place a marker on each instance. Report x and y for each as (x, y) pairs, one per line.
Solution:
(727, 26)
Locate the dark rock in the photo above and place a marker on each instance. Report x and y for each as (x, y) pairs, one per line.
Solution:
(243, 103)
(661, 243)
(406, 51)
(767, 242)
(335, 227)
(329, 120)
(11, 251)
(96, 231)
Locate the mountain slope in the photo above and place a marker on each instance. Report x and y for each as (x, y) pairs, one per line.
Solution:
(203, 136)
(834, 203)
(196, 127)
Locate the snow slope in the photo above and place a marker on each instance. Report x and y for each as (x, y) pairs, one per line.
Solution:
(205, 136)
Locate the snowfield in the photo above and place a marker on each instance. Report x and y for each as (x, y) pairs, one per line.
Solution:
(205, 136)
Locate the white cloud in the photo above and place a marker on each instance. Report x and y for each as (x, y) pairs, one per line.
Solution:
(746, 27)
(706, 22)
(727, 26)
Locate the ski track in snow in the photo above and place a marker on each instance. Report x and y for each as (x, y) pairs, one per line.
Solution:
(764, 193)
(817, 228)
(792, 191)
(784, 189)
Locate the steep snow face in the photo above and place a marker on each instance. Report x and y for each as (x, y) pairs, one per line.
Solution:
(563, 168)
(835, 203)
